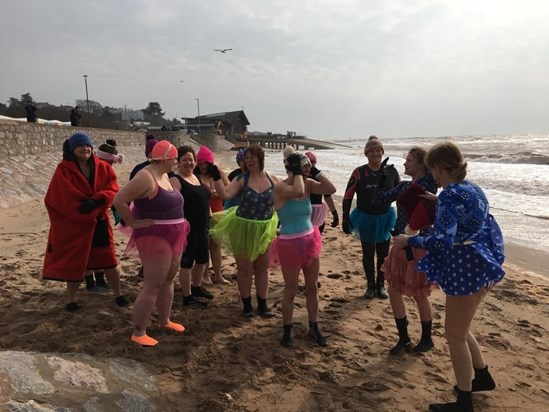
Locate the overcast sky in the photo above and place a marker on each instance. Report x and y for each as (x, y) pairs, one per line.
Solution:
(324, 68)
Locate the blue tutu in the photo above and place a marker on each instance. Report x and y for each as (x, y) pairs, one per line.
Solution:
(469, 267)
(372, 228)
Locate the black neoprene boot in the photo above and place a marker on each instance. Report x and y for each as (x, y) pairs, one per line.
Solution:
(404, 343)
(426, 342)
(316, 335)
(287, 339)
(380, 286)
(371, 288)
(482, 381)
(262, 308)
(464, 403)
(248, 310)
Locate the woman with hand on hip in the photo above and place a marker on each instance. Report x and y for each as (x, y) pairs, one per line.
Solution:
(158, 230)
(464, 256)
(299, 244)
(247, 230)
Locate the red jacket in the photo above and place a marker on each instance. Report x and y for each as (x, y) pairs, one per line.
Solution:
(70, 250)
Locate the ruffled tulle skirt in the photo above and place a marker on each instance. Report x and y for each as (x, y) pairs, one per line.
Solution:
(293, 253)
(243, 238)
(372, 228)
(318, 214)
(401, 274)
(144, 241)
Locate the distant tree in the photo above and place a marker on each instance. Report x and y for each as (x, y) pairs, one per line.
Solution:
(13, 102)
(25, 97)
(153, 113)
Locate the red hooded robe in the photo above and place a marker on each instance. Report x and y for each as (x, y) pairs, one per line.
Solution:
(76, 241)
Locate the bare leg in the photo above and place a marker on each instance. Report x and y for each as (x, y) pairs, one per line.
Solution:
(206, 278)
(424, 307)
(185, 281)
(460, 311)
(261, 271)
(244, 270)
(311, 289)
(164, 298)
(291, 281)
(156, 267)
(113, 277)
(72, 287)
(397, 303)
(215, 254)
(197, 273)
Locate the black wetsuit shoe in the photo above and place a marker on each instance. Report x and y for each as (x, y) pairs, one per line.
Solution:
(122, 301)
(424, 346)
(403, 345)
(200, 292)
(370, 293)
(191, 303)
(287, 340)
(464, 403)
(72, 307)
(316, 335)
(482, 381)
(381, 292)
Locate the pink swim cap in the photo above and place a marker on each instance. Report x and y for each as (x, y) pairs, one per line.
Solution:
(164, 150)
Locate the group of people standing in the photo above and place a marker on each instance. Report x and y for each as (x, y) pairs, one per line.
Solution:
(268, 222)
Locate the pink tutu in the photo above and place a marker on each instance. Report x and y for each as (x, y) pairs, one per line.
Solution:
(401, 274)
(171, 232)
(318, 214)
(293, 253)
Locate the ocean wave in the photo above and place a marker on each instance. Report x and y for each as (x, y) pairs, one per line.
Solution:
(522, 157)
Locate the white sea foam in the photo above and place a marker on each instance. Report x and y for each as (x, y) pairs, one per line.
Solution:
(513, 170)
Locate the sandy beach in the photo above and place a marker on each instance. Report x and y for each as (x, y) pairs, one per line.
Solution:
(229, 363)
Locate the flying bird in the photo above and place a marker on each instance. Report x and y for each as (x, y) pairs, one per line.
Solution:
(222, 50)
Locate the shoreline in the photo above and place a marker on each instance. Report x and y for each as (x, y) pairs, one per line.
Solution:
(225, 362)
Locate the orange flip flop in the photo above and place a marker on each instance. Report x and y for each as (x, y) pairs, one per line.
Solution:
(144, 340)
(175, 326)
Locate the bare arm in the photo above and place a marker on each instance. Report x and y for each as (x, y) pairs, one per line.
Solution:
(323, 187)
(229, 191)
(285, 190)
(139, 187)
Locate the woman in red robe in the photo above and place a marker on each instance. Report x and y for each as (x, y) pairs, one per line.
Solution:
(78, 199)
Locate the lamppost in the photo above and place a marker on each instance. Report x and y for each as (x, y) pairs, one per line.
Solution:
(87, 99)
(198, 104)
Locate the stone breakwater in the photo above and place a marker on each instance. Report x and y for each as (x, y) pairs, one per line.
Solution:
(26, 178)
(73, 382)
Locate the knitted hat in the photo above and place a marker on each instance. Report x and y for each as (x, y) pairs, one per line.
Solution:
(288, 150)
(108, 152)
(79, 139)
(373, 143)
(149, 146)
(311, 157)
(240, 156)
(164, 150)
(204, 155)
(149, 137)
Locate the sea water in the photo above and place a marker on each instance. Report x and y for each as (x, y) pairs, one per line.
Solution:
(513, 170)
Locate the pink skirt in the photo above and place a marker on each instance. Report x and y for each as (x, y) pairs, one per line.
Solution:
(318, 214)
(170, 232)
(294, 252)
(401, 274)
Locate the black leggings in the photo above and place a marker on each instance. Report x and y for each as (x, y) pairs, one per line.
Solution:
(368, 251)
